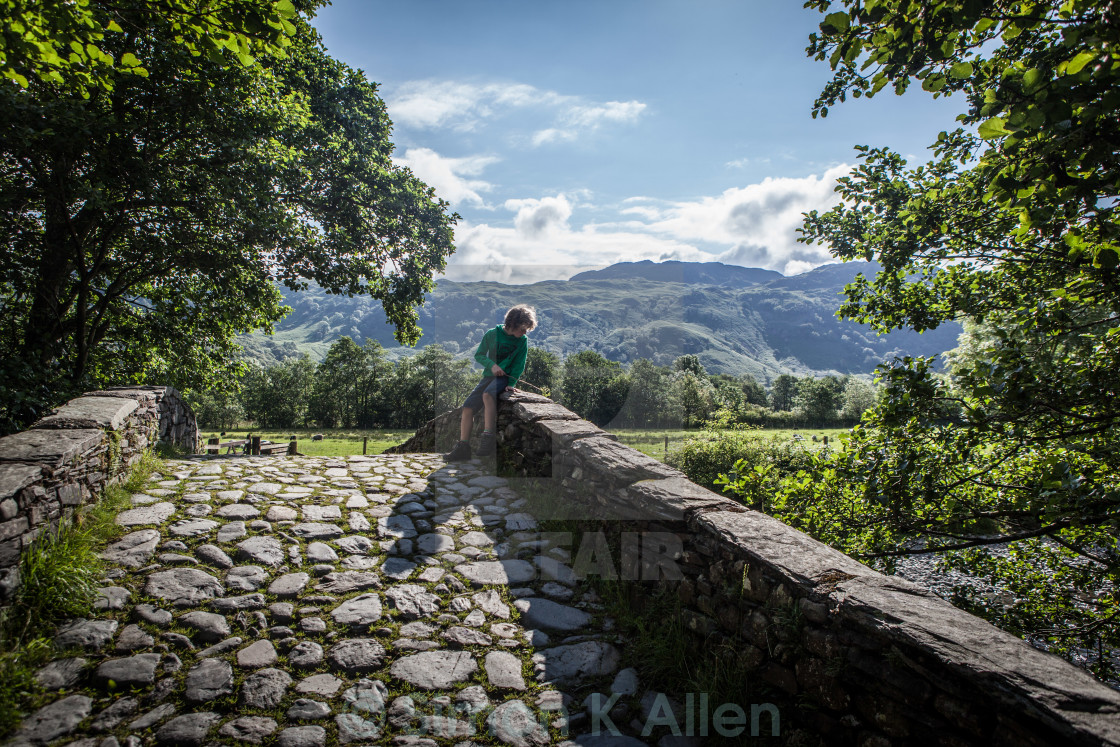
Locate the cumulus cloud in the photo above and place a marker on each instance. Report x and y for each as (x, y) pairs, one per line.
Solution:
(464, 107)
(537, 218)
(448, 175)
(542, 245)
(758, 222)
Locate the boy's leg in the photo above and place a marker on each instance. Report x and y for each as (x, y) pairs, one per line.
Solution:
(465, 423)
(489, 412)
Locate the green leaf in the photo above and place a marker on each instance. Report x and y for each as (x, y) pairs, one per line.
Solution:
(128, 59)
(933, 83)
(835, 23)
(993, 128)
(961, 70)
(1074, 66)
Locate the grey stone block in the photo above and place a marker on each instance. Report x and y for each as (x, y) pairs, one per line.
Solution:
(106, 413)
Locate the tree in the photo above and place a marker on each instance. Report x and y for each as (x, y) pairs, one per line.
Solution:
(76, 44)
(753, 391)
(165, 208)
(690, 364)
(427, 384)
(782, 393)
(693, 395)
(857, 398)
(542, 370)
(348, 385)
(594, 388)
(818, 399)
(218, 409)
(1013, 229)
(648, 398)
(277, 396)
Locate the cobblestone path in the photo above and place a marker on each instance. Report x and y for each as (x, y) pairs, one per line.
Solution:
(308, 601)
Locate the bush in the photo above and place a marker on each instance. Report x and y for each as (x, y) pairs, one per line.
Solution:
(714, 456)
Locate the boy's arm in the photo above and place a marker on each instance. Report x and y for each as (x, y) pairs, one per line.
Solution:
(484, 347)
(514, 366)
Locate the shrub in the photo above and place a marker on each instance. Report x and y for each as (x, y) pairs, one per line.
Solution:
(715, 458)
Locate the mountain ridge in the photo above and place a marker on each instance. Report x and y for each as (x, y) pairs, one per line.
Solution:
(782, 325)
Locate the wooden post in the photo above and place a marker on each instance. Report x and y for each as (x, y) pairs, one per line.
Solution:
(365, 439)
(213, 441)
(293, 449)
(666, 447)
(255, 446)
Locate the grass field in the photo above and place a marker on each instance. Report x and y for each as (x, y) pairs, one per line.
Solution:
(344, 442)
(655, 442)
(336, 441)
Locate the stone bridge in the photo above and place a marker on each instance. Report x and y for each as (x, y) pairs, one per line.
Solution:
(400, 600)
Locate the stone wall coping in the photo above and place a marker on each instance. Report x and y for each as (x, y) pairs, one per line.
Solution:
(787, 551)
(531, 412)
(619, 462)
(567, 431)
(106, 413)
(46, 446)
(670, 499)
(16, 477)
(1011, 669)
(143, 395)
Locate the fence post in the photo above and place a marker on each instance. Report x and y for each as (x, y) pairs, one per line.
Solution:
(365, 439)
(255, 446)
(293, 449)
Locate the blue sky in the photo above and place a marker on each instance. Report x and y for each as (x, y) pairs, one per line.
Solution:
(576, 134)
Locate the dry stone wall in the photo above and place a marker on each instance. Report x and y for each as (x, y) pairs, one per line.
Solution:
(865, 659)
(66, 458)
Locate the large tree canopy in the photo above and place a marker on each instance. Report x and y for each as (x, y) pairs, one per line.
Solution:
(1014, 230)
(78, 43)
(147, 224)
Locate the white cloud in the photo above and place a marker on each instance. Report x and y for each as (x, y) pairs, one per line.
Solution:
(551, 237)
(742, 163)
(580, 119)
(539, 218)
(542, 245)
(447, 175)
(758, 222)
(433, 104)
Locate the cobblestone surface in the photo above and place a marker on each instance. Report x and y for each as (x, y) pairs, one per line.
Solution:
(312, 601)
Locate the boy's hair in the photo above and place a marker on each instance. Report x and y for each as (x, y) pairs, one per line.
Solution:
(521, 316)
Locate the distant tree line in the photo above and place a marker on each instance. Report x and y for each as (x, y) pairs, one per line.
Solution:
(359, 387)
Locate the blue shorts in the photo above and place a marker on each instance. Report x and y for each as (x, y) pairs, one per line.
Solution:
(489, 385)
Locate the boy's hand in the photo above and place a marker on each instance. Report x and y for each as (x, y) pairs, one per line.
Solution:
(497, 370)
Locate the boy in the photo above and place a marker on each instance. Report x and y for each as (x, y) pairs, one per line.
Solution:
(502, 357)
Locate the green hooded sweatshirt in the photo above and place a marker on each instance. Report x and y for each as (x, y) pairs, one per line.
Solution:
(505, 350)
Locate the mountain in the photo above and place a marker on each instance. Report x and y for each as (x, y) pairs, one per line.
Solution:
(693, 273)
(737, 320)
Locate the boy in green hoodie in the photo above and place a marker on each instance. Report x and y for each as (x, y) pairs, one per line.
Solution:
(502, 356)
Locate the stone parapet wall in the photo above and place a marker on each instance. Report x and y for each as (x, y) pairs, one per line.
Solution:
(864, 658)
(66, 459)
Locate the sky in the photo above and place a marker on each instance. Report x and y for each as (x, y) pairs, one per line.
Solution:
(573, 135)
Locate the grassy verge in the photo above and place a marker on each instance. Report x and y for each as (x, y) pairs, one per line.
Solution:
(59, 577)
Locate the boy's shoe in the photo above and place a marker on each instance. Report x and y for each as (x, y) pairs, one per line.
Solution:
(460, 452)
(487, 446)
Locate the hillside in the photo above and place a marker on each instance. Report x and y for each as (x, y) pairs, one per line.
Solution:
(737, 320)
